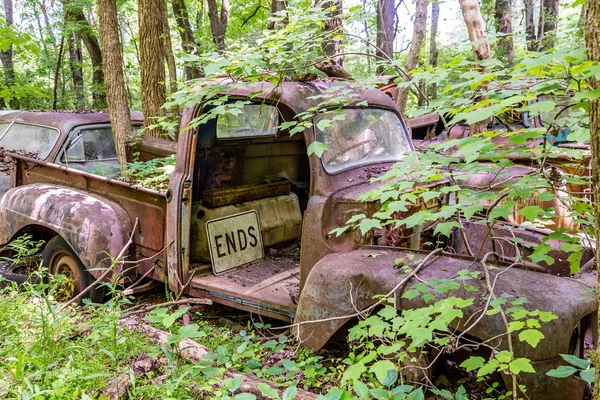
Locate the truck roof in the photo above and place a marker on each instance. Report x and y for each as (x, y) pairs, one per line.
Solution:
(300, 96)
(62, 120)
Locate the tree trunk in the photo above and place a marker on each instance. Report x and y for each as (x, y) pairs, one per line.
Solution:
(481, 51)
(592, 40)
(168, 48)
(6, 57)
(152, 62)
(433, 50)
(529, 25)
(218, 22)
(386, 32)
(504, 25)
(188, 42)
(548, 23)
(333, 25)
(114, 79)
(57, 72)
(84, 31)
(276, 7)
(414, 50)
(75, 61)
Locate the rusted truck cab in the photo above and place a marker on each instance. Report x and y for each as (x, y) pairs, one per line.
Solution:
(246, 221)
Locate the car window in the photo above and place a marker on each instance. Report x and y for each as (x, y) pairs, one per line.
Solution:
(3, 127)
(94, 144)
(33, 138)
(252, 120)
(357, 137)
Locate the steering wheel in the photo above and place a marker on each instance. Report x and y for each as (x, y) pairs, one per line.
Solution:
(354, 146)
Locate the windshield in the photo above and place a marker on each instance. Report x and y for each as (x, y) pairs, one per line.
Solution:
(32, 138)
(360, 136)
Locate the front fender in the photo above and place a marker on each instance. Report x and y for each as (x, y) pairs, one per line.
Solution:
(339, 280)
(92, 225)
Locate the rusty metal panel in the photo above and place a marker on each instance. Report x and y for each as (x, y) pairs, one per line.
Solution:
(227, 196)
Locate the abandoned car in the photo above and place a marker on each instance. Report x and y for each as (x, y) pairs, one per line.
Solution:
(246, 222)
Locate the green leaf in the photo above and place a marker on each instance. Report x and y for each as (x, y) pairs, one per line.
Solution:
(541, 106)
(531, 212)
(268, 391)
(244, 396)
(562, 371)
(445, 228)
(381, 368)
(416, 395)
(515, 326)
(588, 375)
(353, 372)
(290, 393)
(361, 390)
(576, 361)
(520, 365)
(317, 148)
(367, 224)
(473, 363)
(531, 336)
(390, 378)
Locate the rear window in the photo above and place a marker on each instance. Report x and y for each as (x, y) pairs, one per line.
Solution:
(32, 138)
(249, 121)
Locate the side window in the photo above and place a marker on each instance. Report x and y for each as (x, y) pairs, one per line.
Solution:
(93, 144)
(32, 138)
(253, 120)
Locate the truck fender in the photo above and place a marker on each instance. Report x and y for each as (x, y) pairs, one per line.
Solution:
(94, 227)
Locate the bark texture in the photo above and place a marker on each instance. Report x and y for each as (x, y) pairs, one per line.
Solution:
(592, 40)
(188, 41)
(386, 31)
(278, 6)
(218, 21)
(505, 44)
(414, 50)
(332, 47)
(152, 62)
(433, 50)
(168, 47)
(529, 25)
(6, 57)
(83, 30)
(114, 78)
(547, 24)
(75, 60)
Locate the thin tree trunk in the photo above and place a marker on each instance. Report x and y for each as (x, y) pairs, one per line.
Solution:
(114, 80)
(504, 26)
(75, 61)
(414, 50)
(529, 25)
(481, 51)
(84, 31)
(152, 64)
(218, 22)
(57, 72)
(433, 49)
(592, 40)
(6, 57)
(278, 6)
(548, 24)
(168, 47)
(386, 32)
(188, 42)
(332, 48)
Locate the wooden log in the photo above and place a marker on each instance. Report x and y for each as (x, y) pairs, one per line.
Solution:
(333, 69)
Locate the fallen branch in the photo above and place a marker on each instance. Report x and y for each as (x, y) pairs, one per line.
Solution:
(333, 70)
(131, 312)
(195, 352)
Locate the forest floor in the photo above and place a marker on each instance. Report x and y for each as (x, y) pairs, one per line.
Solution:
(85, 352)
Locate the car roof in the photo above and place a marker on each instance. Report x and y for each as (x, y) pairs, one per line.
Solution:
(64, 121)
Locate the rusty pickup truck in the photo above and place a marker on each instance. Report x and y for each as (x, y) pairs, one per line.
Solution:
(247, 217)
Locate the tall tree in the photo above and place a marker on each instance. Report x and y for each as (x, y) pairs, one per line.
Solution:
(152, 62)
(529, 25)
(433, 49)
(168, 47)
(481, 48)
(386, 31)
(75, 61)
(188, 41)
(83, 30)
(6, 56)
(592, 40)
(504, 26)
(548, 23)
(218, 22)
(277, 6)
(114, 78)
(332, 47)
(415, 48)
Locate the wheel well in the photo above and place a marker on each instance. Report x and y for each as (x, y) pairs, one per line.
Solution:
(38, 232)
